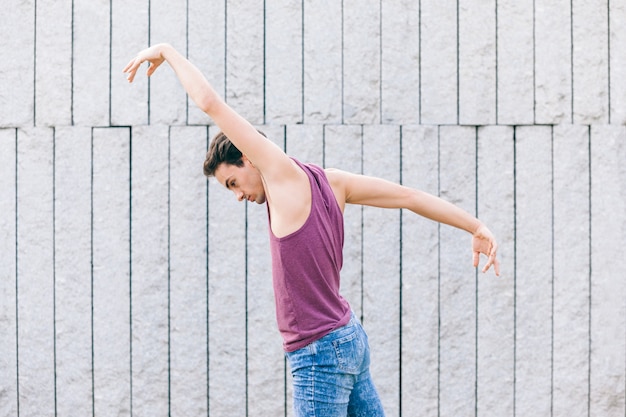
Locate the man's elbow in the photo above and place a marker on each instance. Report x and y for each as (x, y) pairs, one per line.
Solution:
(207, 104)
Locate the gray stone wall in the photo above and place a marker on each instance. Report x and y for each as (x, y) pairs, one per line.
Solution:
(131, 285)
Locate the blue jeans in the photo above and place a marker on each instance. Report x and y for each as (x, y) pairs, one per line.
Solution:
(331, 376)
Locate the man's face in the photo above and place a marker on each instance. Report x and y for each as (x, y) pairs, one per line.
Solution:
(244, 181)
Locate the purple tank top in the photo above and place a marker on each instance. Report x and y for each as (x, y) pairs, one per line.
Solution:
(305, 268)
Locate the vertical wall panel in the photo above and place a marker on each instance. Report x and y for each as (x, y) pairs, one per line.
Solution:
(571, 270)
(111, 271)
(381, 266)
(515, 53)
(553, 58)
(439, 58)
(53, 75)
(400, 58)
(188, 271)
(283, 62)
(168, 100)
(17, 67)
(323, 62)
(91, 61)
(361, 61)
(266, 382)
(533, 272)
(306, 143)
(617, 62)
(343, 150)
(129, 35)
(590, 62)
(477, 62)
(227, 298)
(8, 295)
(420, 277)
(495, 344)
(608, 290)
(35, 271)
(149, 270)
(457, 297)
(72, 266)
(245, 59)
(206, 26)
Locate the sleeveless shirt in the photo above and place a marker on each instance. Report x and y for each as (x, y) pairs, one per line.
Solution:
(306, 266)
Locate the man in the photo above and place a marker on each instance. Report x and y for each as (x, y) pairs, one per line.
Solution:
(325, 344)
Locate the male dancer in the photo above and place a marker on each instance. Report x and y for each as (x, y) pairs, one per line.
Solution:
(326, 346)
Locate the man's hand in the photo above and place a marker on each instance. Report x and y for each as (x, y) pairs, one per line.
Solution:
(484, 242)
(153, 55)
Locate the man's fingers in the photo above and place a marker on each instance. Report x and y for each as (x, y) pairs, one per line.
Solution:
(130, 64)
(132, 67)
(492, 261)
(487, 265)
(151, 69)
(131, 70)
(496, 266)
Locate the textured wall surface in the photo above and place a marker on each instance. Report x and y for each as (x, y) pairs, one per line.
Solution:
(131, 285)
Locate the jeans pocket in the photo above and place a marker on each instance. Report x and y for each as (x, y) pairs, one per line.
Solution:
(350, 352)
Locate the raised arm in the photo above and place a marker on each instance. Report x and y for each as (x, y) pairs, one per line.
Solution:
(372, 191)
(263, 153)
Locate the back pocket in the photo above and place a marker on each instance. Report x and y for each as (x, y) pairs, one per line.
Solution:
(350, 351)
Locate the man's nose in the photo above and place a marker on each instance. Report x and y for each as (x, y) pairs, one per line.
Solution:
(239, 195)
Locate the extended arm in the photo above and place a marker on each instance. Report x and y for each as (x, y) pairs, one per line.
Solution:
(262, 152)
(371, 191)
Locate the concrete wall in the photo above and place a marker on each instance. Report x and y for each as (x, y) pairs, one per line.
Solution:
(130, 285)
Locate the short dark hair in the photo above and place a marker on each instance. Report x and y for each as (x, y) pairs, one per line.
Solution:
(221, 151)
